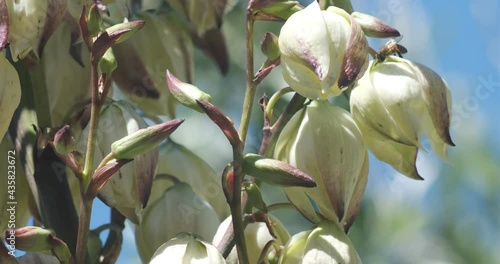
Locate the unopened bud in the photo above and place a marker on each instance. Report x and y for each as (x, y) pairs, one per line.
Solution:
(373, 27)
(269, 46)
(94, 21)
(279, 10)
(64, 141)
(187, 94)
(108, 63)
(222, 121)
(275, 172)
(124, 30)
(113, 35)
(32, 238)
(254, 197)
(143, 140)
(102, 175)
(61, 250)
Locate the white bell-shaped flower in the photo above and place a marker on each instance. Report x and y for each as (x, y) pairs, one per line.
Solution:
(394, 103)
(327, 243)
(322, 52)
(257, 235)
(324, 141)
(177, 209)
(187, 248)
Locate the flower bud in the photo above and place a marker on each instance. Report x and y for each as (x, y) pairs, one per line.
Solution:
(108, 63)
(64, 141)
(128, 190)
(185, 93)
(325, 142)
(277, 10)
(269, 46)
(10, 93)
(275, 172)
(394, 103)
(176, 160)
(373, 27)
(183, 210)
(94, 21)
(187, 248)
(113, 35)
(161, 44)
(322, 52)
(327, 243)
(257, 235)
(143, 140)
(32, 238)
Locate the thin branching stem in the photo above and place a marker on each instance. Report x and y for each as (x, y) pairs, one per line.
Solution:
(85, 204)
(250, 84)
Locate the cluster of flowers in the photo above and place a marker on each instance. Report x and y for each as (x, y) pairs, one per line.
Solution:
(323, 53)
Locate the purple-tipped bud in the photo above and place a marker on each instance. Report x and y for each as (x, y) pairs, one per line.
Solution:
(64, 141)
(373, 27)
(143, 140)
(102, 175)
(185, 93)
(37, 239)
(276, 172)
(269, 46)
(222, 121)
(113, 35)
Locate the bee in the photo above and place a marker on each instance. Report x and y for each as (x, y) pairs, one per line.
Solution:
(390, 48)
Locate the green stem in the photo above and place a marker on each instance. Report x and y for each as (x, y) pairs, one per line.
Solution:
(250, 85)
(246, 114)
(41, 95)
(265, 251)
(275, 98)
(94, 121)
(86, 204)
(236, 212)
(106, 159)
(83, 229)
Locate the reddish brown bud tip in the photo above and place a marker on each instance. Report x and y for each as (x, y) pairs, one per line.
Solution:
(276, 172)
(143, 140)
(64, 141)
(102, 175)
(222, 121)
